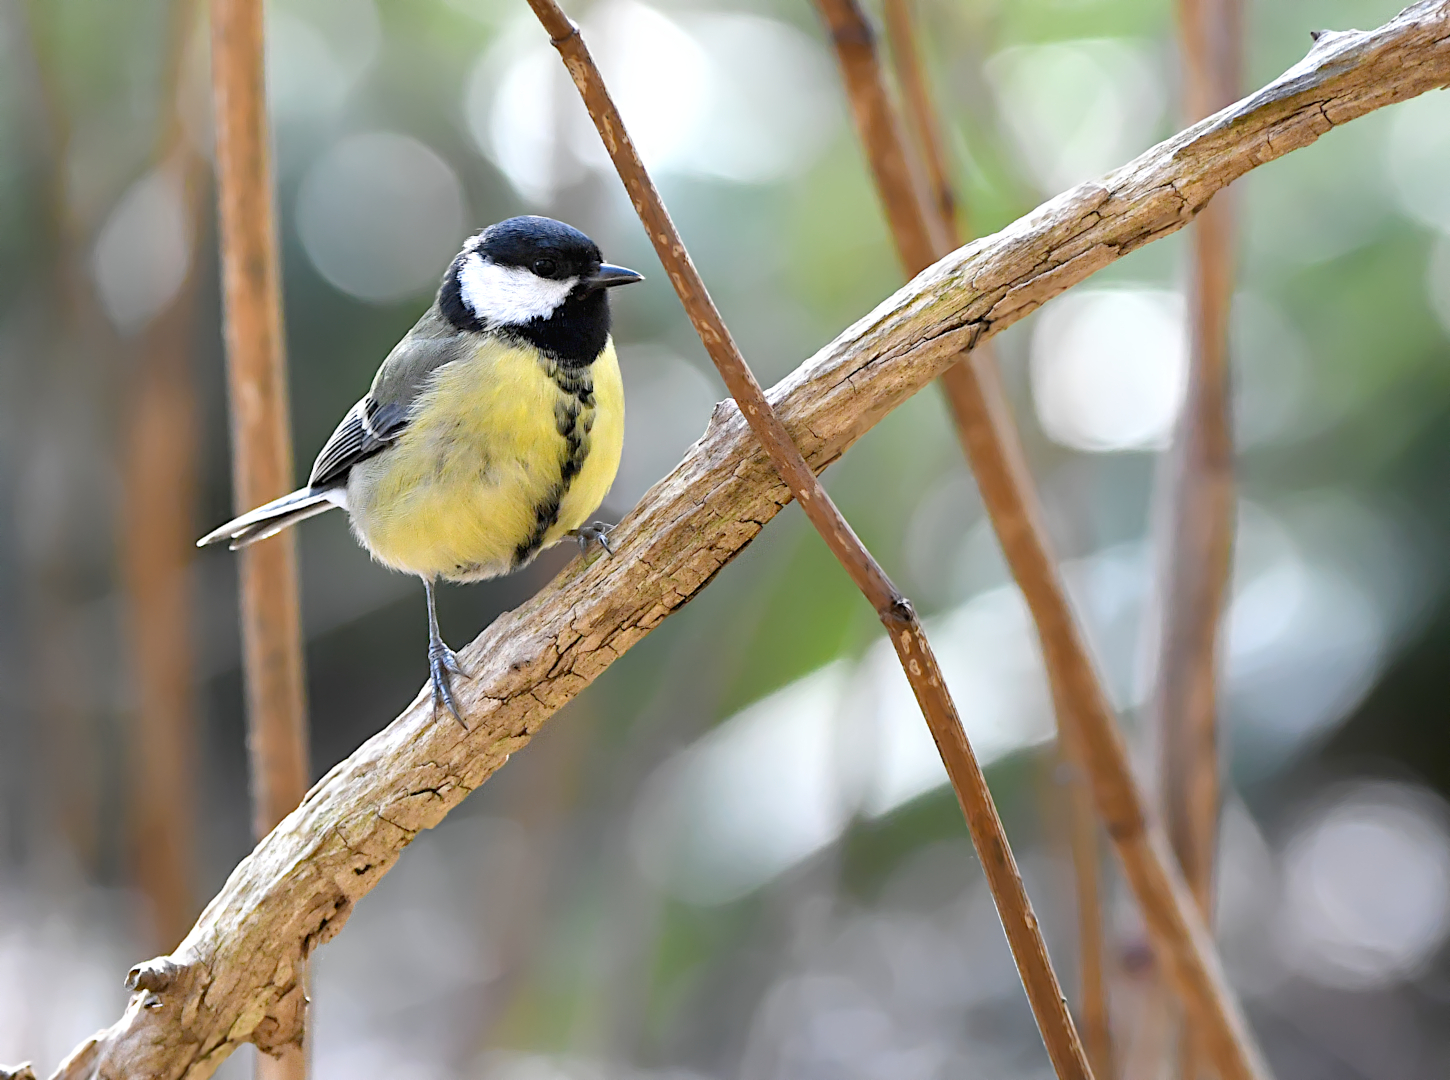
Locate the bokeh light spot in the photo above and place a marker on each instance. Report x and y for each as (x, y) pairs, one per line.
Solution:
(1367, 885)
(720, 95)
(1418, 158)
(1075, 109)
(143, 252)
(380, 215)
(1109, 368)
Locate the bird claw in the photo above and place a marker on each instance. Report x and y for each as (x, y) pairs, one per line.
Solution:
(442, 666)
(597, 531)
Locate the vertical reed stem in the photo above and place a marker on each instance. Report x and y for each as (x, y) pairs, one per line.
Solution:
(261, 439)
(1196, 490)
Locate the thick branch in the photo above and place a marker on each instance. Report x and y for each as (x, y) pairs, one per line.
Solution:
(227, 981)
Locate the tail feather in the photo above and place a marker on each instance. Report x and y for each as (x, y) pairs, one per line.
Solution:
(272, 518)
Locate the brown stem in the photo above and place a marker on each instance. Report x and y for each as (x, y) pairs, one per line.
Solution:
(993, 447)
(895, 611)
(864, 83)
(1180, 938)
(1083, 832)
(233, 979)
(157, 522)
(921, 115)
(1087, 888)
(261, 437)
(1198, 490)
(1149, 1042)
(920, 236)
(1197, 505)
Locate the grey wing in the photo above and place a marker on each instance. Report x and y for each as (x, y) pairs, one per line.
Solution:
(383, 413)
(366, 429)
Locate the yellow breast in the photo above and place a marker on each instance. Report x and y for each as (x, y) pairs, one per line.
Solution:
(504, 455)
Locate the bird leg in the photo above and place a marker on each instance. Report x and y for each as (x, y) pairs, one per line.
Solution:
(598, 530)
(442, 662)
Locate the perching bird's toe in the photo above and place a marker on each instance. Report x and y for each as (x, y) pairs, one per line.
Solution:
(596, 531)
(442, 666)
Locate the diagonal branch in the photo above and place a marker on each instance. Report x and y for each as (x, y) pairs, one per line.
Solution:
(918, 662)
(1083, 827)
(994, 449)
(865, 82)
(222, 985)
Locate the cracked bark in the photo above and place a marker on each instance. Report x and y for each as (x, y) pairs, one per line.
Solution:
(227, 982)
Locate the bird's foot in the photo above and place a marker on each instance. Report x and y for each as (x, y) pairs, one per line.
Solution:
(442, 666)
(598, 530)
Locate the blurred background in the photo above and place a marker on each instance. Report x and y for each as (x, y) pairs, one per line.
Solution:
(735, 855)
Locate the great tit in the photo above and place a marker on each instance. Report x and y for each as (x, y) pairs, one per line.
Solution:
(492, 430)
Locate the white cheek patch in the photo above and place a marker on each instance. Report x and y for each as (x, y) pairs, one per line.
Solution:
(509, 295)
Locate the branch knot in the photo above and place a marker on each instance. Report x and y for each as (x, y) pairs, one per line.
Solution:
(157, 976)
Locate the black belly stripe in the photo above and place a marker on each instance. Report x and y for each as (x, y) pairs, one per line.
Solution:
(573, 419)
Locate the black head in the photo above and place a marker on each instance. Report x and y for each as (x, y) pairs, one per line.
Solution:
(538, 279)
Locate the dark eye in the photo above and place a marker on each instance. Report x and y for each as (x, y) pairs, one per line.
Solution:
(545, 267)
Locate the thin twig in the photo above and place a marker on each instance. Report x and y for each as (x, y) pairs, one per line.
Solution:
(994, 448)
(1198, 489)
(1181, 940)
(1086, 853)
(921, 115)
(1149, 1041)
(232, 979)
(1029, 948)
(919, 235)
(1197, 505)
(261, 438)
(1082, 829)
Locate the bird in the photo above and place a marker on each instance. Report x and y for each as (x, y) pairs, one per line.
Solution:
(492, 430)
